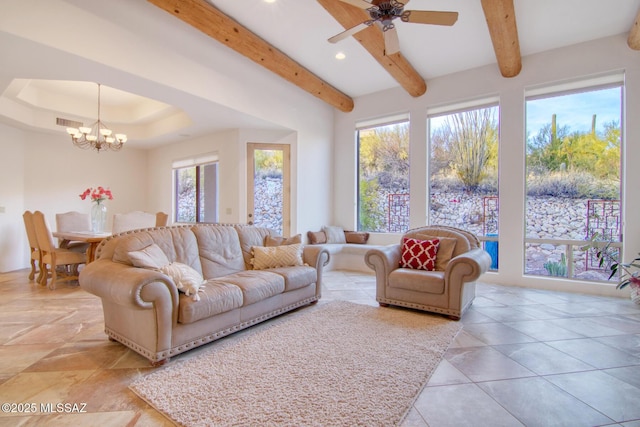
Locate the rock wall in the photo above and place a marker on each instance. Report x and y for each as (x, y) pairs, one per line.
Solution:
(546, 218)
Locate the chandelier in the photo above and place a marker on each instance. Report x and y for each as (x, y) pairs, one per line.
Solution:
(98, 136)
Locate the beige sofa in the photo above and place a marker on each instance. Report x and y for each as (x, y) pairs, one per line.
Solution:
(448, 289)
(144, 310)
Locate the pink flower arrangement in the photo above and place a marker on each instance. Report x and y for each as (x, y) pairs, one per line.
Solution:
(97, 194)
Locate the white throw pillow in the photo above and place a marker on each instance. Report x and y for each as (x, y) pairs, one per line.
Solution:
(186, 278)
(276, 256)
(150, 257)
(334, 234)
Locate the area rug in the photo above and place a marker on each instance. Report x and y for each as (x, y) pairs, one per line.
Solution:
(334, 364)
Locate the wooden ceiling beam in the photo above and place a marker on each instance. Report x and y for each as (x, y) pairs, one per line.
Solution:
(633, 41)
(372, 40)
(501, 20)
(210, 20)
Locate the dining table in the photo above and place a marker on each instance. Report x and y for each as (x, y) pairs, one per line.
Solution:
(93, 239)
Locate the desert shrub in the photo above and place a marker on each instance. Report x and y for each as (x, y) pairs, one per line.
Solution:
(573, 185)
(372, 213)
(452, 184)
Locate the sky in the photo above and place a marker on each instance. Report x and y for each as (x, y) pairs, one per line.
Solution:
(575, 110)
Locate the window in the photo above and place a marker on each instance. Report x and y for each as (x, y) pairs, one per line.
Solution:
(573, 160)
(196, 189)
(383, 175)
(463, 166)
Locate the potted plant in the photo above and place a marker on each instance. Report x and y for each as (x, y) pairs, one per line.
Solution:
(628, 273)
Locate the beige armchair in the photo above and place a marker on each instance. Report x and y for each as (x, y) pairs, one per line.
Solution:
(449, 289)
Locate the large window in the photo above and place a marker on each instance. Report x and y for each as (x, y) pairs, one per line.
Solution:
(196, 190)
(463, 181)
(572, 178)
(383, 176)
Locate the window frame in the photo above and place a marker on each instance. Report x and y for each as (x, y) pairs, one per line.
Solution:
(197, 163)
(371, 124)
(611, 80)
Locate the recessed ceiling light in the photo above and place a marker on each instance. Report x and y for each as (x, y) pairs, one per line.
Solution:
(340, 55)
(269, 1)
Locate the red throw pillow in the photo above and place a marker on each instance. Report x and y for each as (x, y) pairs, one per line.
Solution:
(419, 254)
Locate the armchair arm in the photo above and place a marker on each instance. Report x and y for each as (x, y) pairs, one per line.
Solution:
(383, 261)
(468, 266)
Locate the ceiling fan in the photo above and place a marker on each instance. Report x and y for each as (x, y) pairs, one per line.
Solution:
(383, 12)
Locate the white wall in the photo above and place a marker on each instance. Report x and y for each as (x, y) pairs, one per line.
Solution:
(146, 51)
(310, 172)
(40, 171)
(584, 60)
(13, 240)
(49, 174)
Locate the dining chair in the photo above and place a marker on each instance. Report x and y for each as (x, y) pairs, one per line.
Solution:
(161, 219)
(52, 257)
(133, 221)
(73, 221)
(34, 248)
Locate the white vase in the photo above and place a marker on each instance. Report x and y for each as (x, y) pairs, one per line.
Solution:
(98, 217)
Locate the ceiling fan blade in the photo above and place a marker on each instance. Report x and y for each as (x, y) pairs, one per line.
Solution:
(351, 31)
(430, 17)
(391, 42)
(358, 3)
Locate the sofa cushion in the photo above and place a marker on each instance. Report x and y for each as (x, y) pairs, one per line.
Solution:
(419, 254)
(187, 279)
(276, 256)
(358, 237)
(216, 297)
(256, 285)
(417, 280)
(463, 243)
(316, 237)
(296, 277)
(149, 257)
(445, 250)
(178, 244)
(249, 237)
(335, 234)
(220, 252)
(280, 241)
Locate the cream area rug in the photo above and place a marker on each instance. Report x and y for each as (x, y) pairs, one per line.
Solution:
(333, 364)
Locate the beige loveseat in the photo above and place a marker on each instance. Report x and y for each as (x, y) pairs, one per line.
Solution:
(144, 310)
(449, 288)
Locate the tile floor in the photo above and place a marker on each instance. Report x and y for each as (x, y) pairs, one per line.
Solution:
(524, 357)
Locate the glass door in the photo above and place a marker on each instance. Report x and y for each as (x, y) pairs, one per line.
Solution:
(268, 183)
